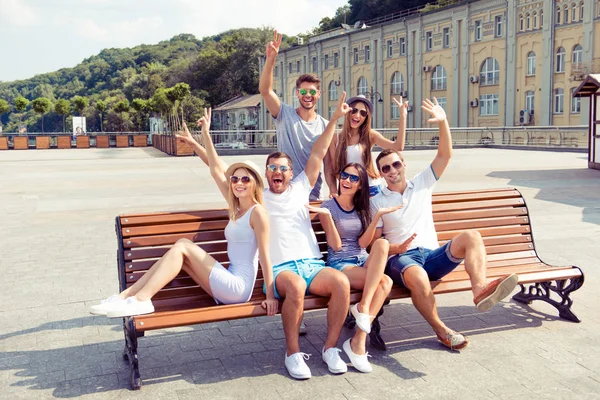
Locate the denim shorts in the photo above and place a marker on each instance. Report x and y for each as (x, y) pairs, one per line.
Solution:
(354, 261)
(306, 268)
(437, 263)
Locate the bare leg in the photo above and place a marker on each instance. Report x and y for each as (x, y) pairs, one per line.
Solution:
(417, 282)
(469, 245)
(184, 254)
(291, 287)
(333, 284)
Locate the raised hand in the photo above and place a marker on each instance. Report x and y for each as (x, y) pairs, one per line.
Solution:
(406, 244)
(386, 210)
(204, 121)
(318, 210)
(437, 112)
(341, 109)
(402, 106)
(185, 134)
(273, 46)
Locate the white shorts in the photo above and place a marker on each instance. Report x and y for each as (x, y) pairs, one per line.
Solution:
(228, 288)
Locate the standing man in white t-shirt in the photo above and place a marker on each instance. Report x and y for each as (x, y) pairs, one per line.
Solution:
(295, 255)
(416, 257)
(296, 129)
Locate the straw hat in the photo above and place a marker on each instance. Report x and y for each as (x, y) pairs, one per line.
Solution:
(250, 166)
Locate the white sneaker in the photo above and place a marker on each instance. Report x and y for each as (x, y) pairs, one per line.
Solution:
(331, 357)
(105, 305)
(296, 366)
(130, 307)
(359, 361)
(362, 320)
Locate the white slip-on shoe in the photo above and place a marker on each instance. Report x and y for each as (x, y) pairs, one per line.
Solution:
(331, 357)
(359, 361)
(362, 320)
(296, 366)
(105, 305)
(130, 307)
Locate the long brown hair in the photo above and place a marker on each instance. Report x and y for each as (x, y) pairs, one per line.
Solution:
(361, 197)
(234, 202)
(364, 132)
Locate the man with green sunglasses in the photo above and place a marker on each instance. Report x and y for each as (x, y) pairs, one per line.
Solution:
(297, 129)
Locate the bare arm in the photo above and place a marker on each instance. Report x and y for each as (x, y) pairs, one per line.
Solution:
(444, 153)
(265, 85)
(216, 165)
(187, 137)
(401, 248)
(259, 221)
(372, 232)
(400, 141)
(313, 165)
(330, 176)
(333, 236)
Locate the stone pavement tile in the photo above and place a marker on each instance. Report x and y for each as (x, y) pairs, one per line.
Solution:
(221, 352)
(208, 371)
(274, 344)
(584, 386)
(235, 330)
(241, 366)
(83, 371)
(173, 376)
(248, 348)
(195, 342)
(256, 335)
(225, 341)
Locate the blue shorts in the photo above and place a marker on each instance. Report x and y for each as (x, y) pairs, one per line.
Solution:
(354, 261)
(306, 268)
(437, 263)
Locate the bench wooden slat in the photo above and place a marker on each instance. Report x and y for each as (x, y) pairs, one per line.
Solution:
(173, 228)
(481, 223)
(491, 231)
(161, 240)
(483, 213)
(175, 217)
(474, 196)
(476, 204)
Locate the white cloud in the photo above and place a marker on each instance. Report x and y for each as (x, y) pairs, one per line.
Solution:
(17, 13)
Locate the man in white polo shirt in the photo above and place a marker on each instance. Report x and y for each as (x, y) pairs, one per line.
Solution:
(416, 257)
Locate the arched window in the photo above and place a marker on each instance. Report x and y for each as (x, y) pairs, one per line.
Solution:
(439, 78)
(490, 72)
(560, 60)
(397, 83)
(534, 21)
(574, 12)
(521, 26)
(581, 11)
(577, 54)
(395, 111)
(528, 23)
(566, 13)
(575, 103)
(333, 92)
(559, 95)
(326, 61)
(529, 100)
(531, 63)
(558, 15)
(541, 19)
(363, 85)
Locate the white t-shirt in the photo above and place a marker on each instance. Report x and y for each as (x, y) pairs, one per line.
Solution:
(415, 217)
(291, 237)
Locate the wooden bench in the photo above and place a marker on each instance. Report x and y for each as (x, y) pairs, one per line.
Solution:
(500, 216)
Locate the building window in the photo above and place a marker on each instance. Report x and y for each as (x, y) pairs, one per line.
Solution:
(527, 21)
(566, 12)
(333, 93)
(531, 63)
(574, 13)
(363, 86)
(367, 54)
(331, 111)
(390, 49)
(402, 46)
(529, 100)
(446, 37)
(442, 101)
(558, 101)
(488, 104)
(276, 72)
(290, 67)
(397, 83)
(395, 111)
(560, 60)
(575, 103)
(534, 26)
(521, 23)
(490, 72)
(428, 41)
(297, 66)
(581, 11)
(438, 78)
(326, 61)
(314, 64)
(355, 55)
(498, 25)
(295, 101)
(558, 15)
(577, 54)
(478, 30)
(541, 19)
(336, 60)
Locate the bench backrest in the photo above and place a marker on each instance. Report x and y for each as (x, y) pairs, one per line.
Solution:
(500, 215)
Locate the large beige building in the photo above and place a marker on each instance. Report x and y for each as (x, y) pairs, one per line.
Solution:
(488, 62)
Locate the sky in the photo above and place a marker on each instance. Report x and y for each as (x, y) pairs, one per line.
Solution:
(40, 36)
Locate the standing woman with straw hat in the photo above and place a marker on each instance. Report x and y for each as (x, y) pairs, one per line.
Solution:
(247, 236)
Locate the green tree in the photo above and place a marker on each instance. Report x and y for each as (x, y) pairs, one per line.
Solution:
(21, 103)
(62, 107)
(141, 107)
(122, 107)
(80, 103)
(41, 105)
(101, 108)
(4, 108)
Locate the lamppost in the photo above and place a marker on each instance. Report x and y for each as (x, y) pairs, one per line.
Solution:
(372, 95)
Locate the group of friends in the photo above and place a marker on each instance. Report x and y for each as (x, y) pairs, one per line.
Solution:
(372, 205)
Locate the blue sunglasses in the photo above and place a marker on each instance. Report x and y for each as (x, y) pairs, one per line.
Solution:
(353, 178)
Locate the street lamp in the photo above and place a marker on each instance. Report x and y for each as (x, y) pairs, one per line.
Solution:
(373, 96)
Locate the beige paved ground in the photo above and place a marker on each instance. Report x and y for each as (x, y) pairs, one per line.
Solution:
(57, 257)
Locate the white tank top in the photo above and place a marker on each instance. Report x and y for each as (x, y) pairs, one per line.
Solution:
(354, 154)
(242, 247)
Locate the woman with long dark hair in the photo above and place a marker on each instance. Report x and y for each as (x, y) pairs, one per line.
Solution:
(347, 220)
(355, 142)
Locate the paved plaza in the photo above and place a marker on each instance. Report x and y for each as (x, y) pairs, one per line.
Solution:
(58, 257)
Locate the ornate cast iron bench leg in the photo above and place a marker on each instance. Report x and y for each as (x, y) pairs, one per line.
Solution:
(130, 352)
(543, 290)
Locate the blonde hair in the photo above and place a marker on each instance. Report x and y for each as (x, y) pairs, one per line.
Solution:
(256, 195)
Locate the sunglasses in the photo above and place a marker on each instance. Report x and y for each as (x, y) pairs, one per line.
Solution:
(282, 168)
(303, 92)
(236, 179)
(363, 113)
(386, 168)
(345, 175)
